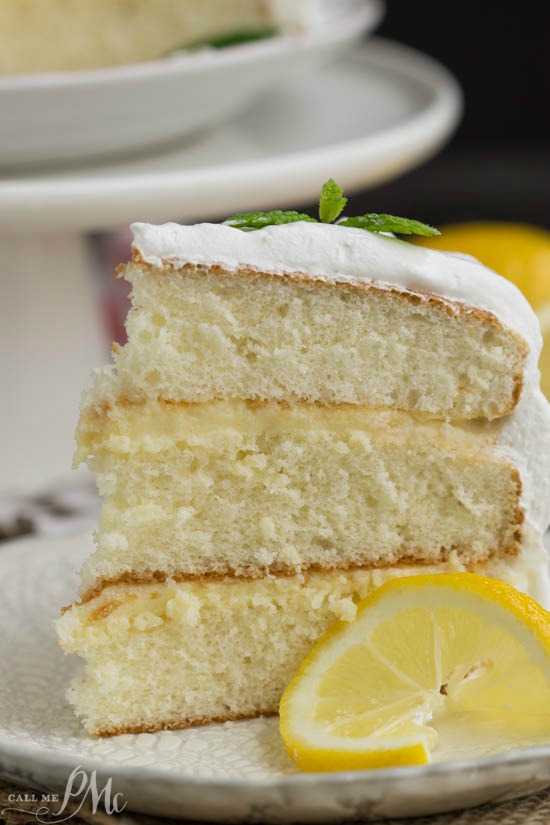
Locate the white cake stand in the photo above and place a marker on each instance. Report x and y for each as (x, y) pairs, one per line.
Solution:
(363, 121)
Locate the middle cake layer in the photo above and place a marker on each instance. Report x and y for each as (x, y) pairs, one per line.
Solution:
(237, 488)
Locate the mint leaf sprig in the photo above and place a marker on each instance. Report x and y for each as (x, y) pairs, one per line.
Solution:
(224, 41)
(257, 220)
(332, 202)
(374, 222)
(331, 205)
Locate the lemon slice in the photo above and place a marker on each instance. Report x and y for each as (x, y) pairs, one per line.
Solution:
(453, 655)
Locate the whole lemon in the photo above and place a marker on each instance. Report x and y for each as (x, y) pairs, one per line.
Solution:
(518, 251)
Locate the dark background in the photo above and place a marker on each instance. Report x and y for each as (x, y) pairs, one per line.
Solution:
(497, 165)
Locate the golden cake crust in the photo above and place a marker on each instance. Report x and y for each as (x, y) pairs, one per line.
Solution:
(286, 571)
(182, 724)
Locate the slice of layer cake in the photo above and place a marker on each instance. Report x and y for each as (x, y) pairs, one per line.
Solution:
(300, 412)
(67, 35)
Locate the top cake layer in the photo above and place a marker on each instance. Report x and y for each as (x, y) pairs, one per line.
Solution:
(322, 314)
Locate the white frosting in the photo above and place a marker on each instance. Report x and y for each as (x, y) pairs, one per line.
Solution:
(344, 255)
(528, 572)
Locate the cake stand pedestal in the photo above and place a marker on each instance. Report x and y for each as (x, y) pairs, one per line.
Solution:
(51, 340)
(364, 120)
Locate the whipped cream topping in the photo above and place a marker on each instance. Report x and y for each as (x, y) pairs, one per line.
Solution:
(344, 255)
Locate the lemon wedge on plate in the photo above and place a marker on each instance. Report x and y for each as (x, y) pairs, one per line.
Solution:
(430, 657)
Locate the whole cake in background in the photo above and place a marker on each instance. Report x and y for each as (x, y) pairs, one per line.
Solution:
(301, 412)
(67, 35)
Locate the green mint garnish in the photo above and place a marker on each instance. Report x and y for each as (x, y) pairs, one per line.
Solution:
(390, 223)
(257, 220)
(331, 202)
(232, 39)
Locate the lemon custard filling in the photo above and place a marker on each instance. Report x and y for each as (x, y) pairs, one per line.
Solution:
(246, 489)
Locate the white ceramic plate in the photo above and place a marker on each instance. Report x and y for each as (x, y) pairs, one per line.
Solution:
(234, 771)
(364, 120)
(68, 115)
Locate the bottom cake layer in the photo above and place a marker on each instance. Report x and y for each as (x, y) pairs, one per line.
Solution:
(171, 655)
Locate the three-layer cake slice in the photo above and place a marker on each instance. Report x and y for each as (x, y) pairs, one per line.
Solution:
(300, 412)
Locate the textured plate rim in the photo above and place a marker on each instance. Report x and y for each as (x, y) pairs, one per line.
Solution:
(359, 17)
(483, 765)
(15, 749)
